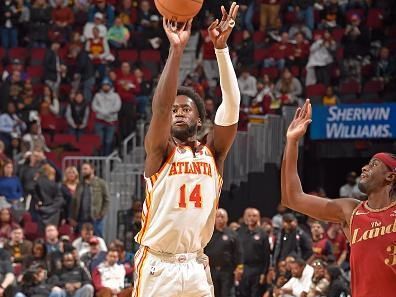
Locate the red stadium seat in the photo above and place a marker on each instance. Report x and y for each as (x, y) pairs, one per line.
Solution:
(150, 56)
(92, 139)
(31, 230)
(375, 18)
(64, 138)
(259, 37)
(337, 34)
(2, 54)
(37, 56)
(127, 55)
(35, 73)
(147, 73)
(237, 37)
(18, 53)
(373, 86)
(350, 87)
(66, 230)
(315, 90)
(260, 54)
(272, 72)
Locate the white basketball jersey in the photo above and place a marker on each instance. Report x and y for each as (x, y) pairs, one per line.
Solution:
(181, 201)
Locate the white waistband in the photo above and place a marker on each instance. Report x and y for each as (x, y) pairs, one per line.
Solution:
(175, 258)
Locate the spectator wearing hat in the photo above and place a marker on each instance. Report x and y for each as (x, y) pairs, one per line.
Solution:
(97, 22)
(106, 105)
(104, 8)
(9, 16)
(108, 277)
(291, 239)
(40, 17)
(118, 35)
(95, 254)
(83, 243)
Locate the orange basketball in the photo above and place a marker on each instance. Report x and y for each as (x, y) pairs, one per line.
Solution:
(178, 10)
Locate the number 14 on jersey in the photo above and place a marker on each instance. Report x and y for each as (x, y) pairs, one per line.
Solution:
(194, 196)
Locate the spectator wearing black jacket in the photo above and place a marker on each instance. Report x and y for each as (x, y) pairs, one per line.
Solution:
(52, 67)
(291, 240)
(77, 114)
(40, 17)
(7, 276)
(224, 254)
(9, 16)
(256, 255)
(85, 74)
(338, 287)
(73, 279)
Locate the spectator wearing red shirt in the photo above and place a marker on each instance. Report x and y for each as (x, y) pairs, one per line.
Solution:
(299, 53)
(127, 86)
(338, 242)
(279, 52)
(269, 14)
(321, 246)
(63, 18)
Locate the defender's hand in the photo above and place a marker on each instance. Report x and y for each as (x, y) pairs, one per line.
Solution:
(302, 118)
(220, 31)
(178, 37)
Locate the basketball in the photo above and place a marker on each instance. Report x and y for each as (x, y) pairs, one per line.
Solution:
(178, 10)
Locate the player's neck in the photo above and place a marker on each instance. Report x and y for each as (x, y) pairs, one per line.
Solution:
(190, 141)
(381, 198)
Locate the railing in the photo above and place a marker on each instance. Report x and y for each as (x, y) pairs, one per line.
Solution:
(130, 139)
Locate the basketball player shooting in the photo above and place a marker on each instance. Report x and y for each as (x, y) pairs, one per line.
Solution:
(183, 176)
(370, 226)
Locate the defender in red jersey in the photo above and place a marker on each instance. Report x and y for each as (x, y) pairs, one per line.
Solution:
(370, 226)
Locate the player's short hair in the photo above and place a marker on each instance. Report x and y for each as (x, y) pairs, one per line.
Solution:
(199, 103)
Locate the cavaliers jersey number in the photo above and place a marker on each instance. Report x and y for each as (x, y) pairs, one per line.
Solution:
(392, 255)
(195, 196)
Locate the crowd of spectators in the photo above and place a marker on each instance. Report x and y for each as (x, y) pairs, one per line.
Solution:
(76, 76)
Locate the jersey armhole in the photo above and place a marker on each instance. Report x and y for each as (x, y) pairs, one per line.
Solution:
(214, 160)
(351, 218)
(153, 178)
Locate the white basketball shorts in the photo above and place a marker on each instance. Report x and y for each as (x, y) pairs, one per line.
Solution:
(180, 275)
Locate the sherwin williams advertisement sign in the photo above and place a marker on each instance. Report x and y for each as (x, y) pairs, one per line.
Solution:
(350, 121)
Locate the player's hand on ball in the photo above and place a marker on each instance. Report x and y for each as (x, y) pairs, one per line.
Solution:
(300, 123)
(220, 31)
(178, 36)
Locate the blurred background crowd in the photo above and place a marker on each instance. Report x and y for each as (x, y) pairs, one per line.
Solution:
(77, 78)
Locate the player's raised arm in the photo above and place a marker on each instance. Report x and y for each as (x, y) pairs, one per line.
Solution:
(158, 135)
(293, 196)
(227, 115)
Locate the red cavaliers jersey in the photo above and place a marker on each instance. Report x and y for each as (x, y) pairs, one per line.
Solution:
(373, 251)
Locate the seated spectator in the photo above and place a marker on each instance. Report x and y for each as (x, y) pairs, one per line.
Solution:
(146, 88)
(77, 114)
(245, 50)
(331, 16)
(125, 12)
(12, 88)
(304, 11)
(63, 19)
(69, 186)
(288, 89)
(108, 277)
(99, 51)
(37, 256)
(34, 139)
(321, 246)
(9, 16)
(299, 54)
(300, 282)
(10, 185)
(118, 34)
(320, 283)
(338, 241)
(6, 224)
(248, 85)
(47, 197)
(300, 27)
(27, 103)
(82, 244)
(49, 102)
(386, 66)
(98, 23)
(144, 15)
(104, 8)
(320, 59)
(73, 279)
(330, 98)
(18, 247)
(125, 258)
(95, 255)
(52, 242)
(106, 105)
(153, 37)
(16, 65)
(338, 285)
(35, 283)
(279, 52)
(126, 86)
(265, 94)
(10, 123)
(7, 277)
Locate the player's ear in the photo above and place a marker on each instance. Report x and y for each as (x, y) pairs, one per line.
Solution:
(391, 177)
